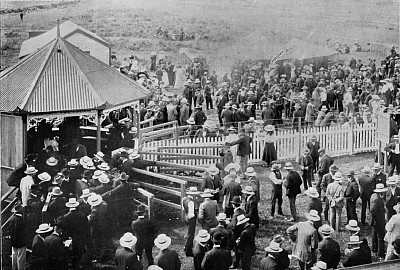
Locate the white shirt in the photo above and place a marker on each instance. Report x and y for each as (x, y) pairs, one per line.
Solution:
(275, 180)
(25, 187)
(190, 209)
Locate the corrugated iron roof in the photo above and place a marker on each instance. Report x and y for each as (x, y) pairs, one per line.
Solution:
(61, 77)
(66, 29)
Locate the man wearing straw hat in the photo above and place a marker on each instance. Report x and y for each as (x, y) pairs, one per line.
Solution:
(292, 184)
(335, 195)
(145, 231)
(379, 176)
(283, 259)
(38, 259)
(306, 165)
(26, 184)
(355, 256)
(125, 257)
(227, 234)
(251, 206)
(189, 205)
(200, 248)
(271, 261)
(378, 221)
(366, 190)
(208, 211)
(392, 196)
(212, 181)
(56, 253)
(217, 258)
(246, 246)
(98, 220)
(277, 180)
(167, 259)
(57, 204)
(322, 186)
(328, 249)
(306, 241)
(253, 181)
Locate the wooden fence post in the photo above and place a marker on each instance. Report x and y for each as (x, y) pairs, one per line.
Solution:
(350, 136)
(300, 146)
(150, 203)
(183, 195)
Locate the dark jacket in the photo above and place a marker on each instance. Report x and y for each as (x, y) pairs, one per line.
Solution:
(168, 260)
(315, 204)
(247, 240)
(217, 259)
(244, 145)
(377, 210)
(199, 252)
(38, 253)
(145, 230)
(56, 208)
(308, 164)
(313, 148)
(380, 178)
(56, 253)
(367, 186)
(76, 226)
(293, 184)
(213, 184)
(329, 252)
(391, 200)
(352, 191)
(269, 263)
(356, 257)
(324, 164)
(323, 184)
(227, 236)
(17, 231)
(126, 259)
(251, 209)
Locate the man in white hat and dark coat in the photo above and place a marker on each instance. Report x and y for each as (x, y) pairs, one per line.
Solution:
(283, 258)
(57, 205)
(167, 259)
(145, 231)
(354, 255)
(323, 185)
(212, 181)
(251, 206)
(306, 241)
(200, 248)
(328, 249)
(335, 195)
(191, 208)
(227, 234)
(393, 149)
(125, 257)
(306, 165)
(55, 249)
(378, 221)
(246, 246)
(313, 145)
(367, 187)
(277, 180)
(38, 258)
(208, 211)
(271, 261)
(314, 203)
(378, 176)
(351, 194)
(217, 258)
(392, 196)
(293, 187)
(253, 181)
(98, 221)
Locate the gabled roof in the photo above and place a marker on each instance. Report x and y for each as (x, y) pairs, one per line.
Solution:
(62, 78)
(67, 29)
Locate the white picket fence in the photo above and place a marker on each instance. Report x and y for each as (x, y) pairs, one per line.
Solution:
(337, 140)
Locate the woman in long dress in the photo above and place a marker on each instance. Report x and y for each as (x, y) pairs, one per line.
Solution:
(180, 74)
(269, 154)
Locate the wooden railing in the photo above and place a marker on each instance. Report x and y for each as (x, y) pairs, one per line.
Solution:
(8, 207)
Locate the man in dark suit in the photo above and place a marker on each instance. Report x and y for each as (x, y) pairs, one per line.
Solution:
(57, 205)
(236, 212)
(208, 211)
(167, 259)
(77, 227)
(211, 180)
(283, 256)
(355, 256)
(322, 186)
(75, 149)
(230, 190)
(125, 257)
(200, 248)
(324, 163)
(17, 232)
(126, 164)
(307, 166)
(378, 219)
(145, 231)
(367, 187)
(251, 206)
(351, 194)
(217, 258)
(246, 245)
(314, 146)
(392, 196)
(328, 249)
(227, 234)
(38, 261)
(56, 253)
(244, 149)
(379, 176)
(83, 183)
(394, 154)
(271, 260)
(293, 187)
(14, 179)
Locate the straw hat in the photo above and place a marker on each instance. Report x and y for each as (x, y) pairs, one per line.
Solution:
(85, 160)
(396, 207)
(312, 192)
(326, 229)
(56, 191)
(231, 166)
(202, 237)
(273, 247)
(320, 265)
(241, 219)
(288, 166)
(99, 155)
(248, 190)
(133, 130)
(72, 203)
(73, 162)
(221, 216)
(313, 215)
(104, 166)
(269, 128)
(85, 193)
(103, 178)
(44, 177)
(193, 191)
(231, 129)
(338, 176)
(52, 161)
(30, 170)
(275, 167)
(190, 121)
(207, 193)
(212, 169)
(392, 180)
(250, 171)
(97, 174)
(44, 228)
(128, 240)
(380, 188)
(354, 240)
(352, 226)
(162, 241)
(95, 200)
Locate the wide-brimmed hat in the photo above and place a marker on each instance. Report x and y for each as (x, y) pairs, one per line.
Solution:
(197, 81)
(392, 180)
(52, 161)
(99, 155)
(231, 166)
(95, 200)
(44, 177)
(140, 209)
(248, 190)
(56, 191)
(380, 188)
(72, 203)
(162, 241)
(221, 217)
(313, 216)
(326, 229)
(366, 169)
(354, 240)
(30, 170)
(207, 193)
(242, 219)
(96, 174)
(85, 160)
(128, 240)
(213, 170)
(376, 166)
(320, 265)
(269, 128)
(133, 130)
(312, 192)
(103, 178)
(44, 228)
(193, 191)
(231, 129)
(324, 108)
(353, 226)
(202, 237)
(73, 162)
(198, 106)
(396, 207)
(85, 193)
(288, 166)
(338, 176)
(104, 166)
(123, 176)
(250, 171)
(275, 166)
(236, 200)
(190, 121)
(273, 247)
